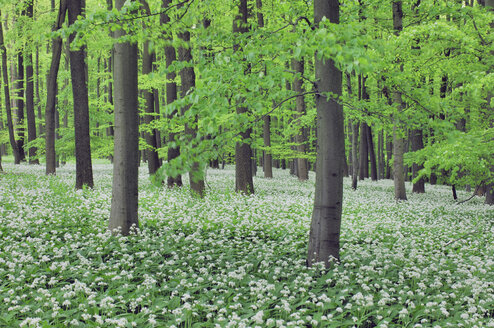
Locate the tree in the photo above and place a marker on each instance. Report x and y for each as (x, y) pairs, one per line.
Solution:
(171, 92)
(243, 152)
(125, 166)
(301, 137)
(8, 109)
(31, 117)
(324, 239)
(51, 92)
(148, 58)
(398, 147)
(78, 69)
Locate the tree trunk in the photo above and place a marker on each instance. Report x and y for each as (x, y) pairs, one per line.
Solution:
(372, 154)
(301, 136)
(324, 240)
(380, 155)
(489, 195)
(20, 105)
(148, 58)
(268, 160)
(399, 179)
(8, 108)
(243, 152)
(364, 152)
(78, 68)
(355, 155)
(171, 94)
(38, 98)
(125, 168)
(417, 144)
(188, 83)
(389, 155)
(31, 116)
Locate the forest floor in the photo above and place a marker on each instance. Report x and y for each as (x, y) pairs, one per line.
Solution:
(236, 261)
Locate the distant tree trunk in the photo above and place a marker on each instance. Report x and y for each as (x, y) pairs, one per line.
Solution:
(243, 152)
(380, 155)
(20, 105)
(301, 136)
(123, 213)
(188, 83)
(399, 179)
(38, 98)
(364, 152)
(389, 155)
(171, 94)
(355, 154)
(417, 144)
(372, 154)
(324, 239)
(148, 58)
(268, 160)
(8, 108)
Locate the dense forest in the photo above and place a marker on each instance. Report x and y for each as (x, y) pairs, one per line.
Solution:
(354, 91)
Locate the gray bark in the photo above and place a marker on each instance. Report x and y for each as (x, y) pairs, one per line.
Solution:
(78, 69)
(301, 136)
(398, 144)
(324, 240)
(31, 116)
(8, 108)
(125, 166)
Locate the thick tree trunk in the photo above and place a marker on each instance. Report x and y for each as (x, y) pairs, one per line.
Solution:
(8, 108)
(171, 95)
(78, 67)
(243, 152)
(188, 80)
(125, 168)
(301, 136)
(399, 178)
(148, 58)
(417, 144)
(324, 240)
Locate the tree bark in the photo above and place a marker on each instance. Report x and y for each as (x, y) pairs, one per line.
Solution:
(125, 168)
(148, 58)
(399, 178)
(31, 116)
(20, 105)
(171, 95)
(324, 240)
(243, 152)
(268, 159)
(8, 108)
(78, 68)
(417, 144)
(301, 136)
(372, 154)
(489, 195)
(364, 152)
(188, 81)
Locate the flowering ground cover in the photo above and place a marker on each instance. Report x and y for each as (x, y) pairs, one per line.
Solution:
(236, 261)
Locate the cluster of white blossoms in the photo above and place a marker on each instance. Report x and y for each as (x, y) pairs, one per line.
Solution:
(239, 261)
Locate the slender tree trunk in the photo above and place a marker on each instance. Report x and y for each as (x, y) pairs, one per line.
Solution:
(372, 154)
(380, 154)
(389, 155)
(324, 240)
(364, 152)
(243, 152)
(355, 155)
(8, 108)
(171, 95)
(148, 58)
(188, 80)
(20, 105)
(125, 168)
(301, 137)
(417, 144)
(38, 98)
(399, 179)
(78, 67)
(31, 116)
(51, 92)
(489, 195)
